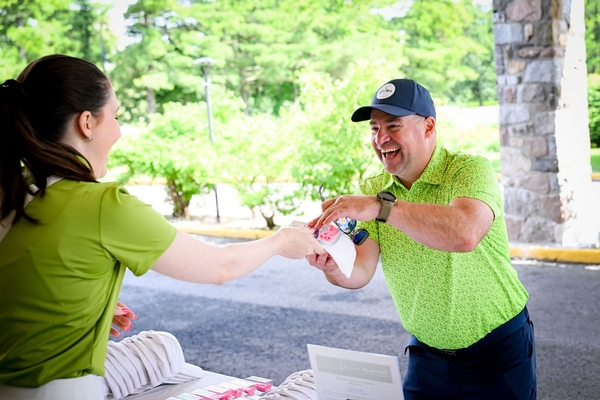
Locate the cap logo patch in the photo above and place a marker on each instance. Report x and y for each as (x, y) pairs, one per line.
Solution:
(385, 91)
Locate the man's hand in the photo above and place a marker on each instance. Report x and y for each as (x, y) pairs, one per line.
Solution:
(360, 208)
(324, 262)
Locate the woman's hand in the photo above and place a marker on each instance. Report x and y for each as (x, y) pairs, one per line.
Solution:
(121, 319)
(298, 242)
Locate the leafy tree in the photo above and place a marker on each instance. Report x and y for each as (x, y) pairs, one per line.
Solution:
(594, 108)
(592, 36)
(449, 46)
(332, 150)
(174, 147)
(157, 67)
(259, 48)
(34, 28)
(257, 153)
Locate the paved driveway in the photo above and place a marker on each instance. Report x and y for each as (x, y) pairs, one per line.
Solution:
(260, 324)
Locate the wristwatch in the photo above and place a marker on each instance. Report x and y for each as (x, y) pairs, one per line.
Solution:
(387, 201)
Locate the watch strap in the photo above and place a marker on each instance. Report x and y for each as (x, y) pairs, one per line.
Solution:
(384, 214)
(386, 209)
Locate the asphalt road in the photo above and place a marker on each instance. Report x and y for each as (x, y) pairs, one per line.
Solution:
(261, 324)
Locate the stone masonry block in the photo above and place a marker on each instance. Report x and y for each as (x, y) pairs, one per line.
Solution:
(539, 71)
(520, 130)
(529, 52)
(514, 114)
(513, 226)
(499, 17)
(524, 10)
(531, 93)
(546, 164)
(515, 66)
(500, 5)
(553, 209)
(508, 33)
(554, 51)
(542, 35)
(514, 162)
(521, 202)
(538, 230)
(535, 147)
(536, 182)
(544, 123)
(510, 95)
(527, 32)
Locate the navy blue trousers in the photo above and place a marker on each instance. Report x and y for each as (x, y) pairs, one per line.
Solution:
(500, 366)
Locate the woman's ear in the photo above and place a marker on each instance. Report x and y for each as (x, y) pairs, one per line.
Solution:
(84, 124)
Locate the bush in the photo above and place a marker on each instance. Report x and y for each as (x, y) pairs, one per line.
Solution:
(594, 108)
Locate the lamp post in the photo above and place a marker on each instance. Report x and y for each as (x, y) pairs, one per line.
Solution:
(205, 63)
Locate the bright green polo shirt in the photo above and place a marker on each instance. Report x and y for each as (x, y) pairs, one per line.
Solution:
(448, 300)
(60, 280)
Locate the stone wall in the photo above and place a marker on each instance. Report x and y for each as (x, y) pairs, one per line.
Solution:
(544, 136)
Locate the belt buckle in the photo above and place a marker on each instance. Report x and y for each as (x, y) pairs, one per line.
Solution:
(451, 353)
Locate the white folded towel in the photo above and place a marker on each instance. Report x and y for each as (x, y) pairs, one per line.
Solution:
(298, 386)
(141, 362)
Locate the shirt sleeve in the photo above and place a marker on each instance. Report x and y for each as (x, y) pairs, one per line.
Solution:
(477, 179)
(132, 231)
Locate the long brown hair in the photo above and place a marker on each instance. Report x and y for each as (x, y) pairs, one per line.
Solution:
(35, 110)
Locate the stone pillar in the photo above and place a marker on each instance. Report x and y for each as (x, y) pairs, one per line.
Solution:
(544, 135)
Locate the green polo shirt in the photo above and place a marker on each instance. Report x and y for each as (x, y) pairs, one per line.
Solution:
(448, 300)
(60, 279)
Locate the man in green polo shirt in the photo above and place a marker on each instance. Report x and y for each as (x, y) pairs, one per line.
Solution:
(437, 220)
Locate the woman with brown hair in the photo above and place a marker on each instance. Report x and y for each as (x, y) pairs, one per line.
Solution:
(65, 253)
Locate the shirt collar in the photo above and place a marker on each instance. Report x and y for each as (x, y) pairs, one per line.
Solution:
(432, 173)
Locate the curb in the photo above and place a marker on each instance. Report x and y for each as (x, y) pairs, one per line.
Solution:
(542, 253)
(569, 255)
(250, 234)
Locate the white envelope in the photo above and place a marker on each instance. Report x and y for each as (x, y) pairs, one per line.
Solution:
(341, 250)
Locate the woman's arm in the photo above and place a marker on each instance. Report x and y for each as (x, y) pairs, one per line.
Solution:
(192, 260)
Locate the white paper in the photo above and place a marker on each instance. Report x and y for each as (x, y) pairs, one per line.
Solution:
(352, 375)
(342, 250)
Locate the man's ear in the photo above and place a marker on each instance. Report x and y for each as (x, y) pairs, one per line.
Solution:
(84, 124)
(429, 126)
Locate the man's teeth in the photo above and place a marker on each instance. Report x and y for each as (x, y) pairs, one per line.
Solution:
(387, 151)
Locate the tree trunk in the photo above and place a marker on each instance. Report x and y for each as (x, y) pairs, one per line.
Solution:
(180, 204)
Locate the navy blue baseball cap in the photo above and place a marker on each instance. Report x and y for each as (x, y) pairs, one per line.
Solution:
(398, 97)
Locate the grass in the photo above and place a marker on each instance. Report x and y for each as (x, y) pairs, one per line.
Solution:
(595, 159)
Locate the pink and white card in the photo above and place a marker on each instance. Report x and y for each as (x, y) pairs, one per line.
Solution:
(337, 244)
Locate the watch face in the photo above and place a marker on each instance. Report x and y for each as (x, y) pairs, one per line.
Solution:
(387, 196)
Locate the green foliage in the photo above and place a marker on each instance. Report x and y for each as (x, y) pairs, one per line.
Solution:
(449, 45)
(595, 159)
(594, 108)
(175, 147)
(256, 154)
(34, 28)
(257, 46)
(287, 77)
(332, 150)
(592, 36)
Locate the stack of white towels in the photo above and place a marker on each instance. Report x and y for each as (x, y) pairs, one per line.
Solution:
(143, 361)
(298, 386)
